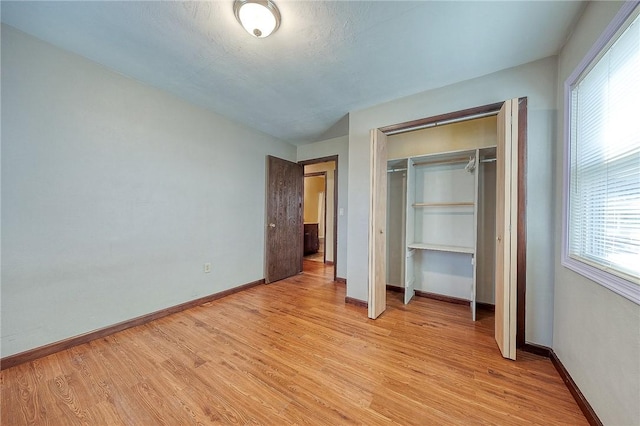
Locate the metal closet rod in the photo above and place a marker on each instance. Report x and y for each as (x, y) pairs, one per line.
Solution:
(396, 170)
(447, 161)
(442, 123)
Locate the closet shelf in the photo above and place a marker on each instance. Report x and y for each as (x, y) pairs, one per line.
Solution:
(439, 247)
(451, 204)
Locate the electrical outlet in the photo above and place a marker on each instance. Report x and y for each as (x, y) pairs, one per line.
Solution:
(207, 267)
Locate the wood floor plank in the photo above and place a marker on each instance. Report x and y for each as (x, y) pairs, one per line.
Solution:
(292, 352)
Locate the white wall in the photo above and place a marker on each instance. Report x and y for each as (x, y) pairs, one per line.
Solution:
(596, 332)
(537, 81)
(340, 147)
(114, 195)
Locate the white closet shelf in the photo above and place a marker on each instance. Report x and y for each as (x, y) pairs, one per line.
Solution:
(450, 204)
(439, 247)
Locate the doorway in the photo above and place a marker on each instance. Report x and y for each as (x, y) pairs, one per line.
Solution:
(320, 213)
(315, 217)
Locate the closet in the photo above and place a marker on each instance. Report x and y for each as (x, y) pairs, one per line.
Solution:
(445, 229)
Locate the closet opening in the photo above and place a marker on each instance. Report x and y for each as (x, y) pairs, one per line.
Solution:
(441, 213)
(454, 206)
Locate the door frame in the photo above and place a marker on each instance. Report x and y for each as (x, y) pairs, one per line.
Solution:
(476, 112)
(333, 158)
(324, 230)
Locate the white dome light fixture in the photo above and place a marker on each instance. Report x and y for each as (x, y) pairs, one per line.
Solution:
(259, 17)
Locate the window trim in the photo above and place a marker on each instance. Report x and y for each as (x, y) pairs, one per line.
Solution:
(609, 280)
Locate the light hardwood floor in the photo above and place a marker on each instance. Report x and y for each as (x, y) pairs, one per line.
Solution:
(292, 352)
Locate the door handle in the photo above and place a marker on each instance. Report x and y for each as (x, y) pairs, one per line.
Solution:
(272, 225)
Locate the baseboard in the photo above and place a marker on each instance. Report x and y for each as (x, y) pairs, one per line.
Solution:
(442, 297)
(341, 280)
(585, 407)
(537, 349)
(486, 306)
(329, 263)
(395, 288)
(357, 302)
(42, 351)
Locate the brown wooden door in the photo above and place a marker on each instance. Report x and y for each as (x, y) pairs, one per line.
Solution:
(506, 232)
(378, 225)
(284, 232)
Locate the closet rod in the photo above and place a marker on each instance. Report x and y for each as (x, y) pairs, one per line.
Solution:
(442, 123)
(447, 204)
(396, 170)
(488, 160)
(449, 161)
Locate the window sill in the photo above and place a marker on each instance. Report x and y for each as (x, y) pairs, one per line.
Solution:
(614, 283)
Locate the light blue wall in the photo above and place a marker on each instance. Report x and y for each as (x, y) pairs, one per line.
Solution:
(596, 332)
(114, 195)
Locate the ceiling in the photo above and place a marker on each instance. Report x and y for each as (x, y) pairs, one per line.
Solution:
(327, 58)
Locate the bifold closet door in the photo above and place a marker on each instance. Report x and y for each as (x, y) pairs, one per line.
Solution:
(377, 225)
(506, 222)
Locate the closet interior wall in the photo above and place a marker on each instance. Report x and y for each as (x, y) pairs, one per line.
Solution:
(486, 247)
(396, 215)
(441, 224)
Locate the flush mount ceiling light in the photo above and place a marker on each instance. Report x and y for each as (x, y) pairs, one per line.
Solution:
(259, 17)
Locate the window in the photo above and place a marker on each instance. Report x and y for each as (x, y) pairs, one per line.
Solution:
(602, 168)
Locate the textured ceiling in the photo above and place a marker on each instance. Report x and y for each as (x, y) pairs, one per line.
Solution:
(326, 59)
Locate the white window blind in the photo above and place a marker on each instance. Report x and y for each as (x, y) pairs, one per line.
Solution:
(604, 175)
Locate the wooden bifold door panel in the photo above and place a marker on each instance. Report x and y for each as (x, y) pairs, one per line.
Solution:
(378, 224)
(506, 232)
